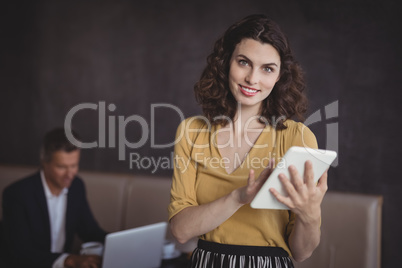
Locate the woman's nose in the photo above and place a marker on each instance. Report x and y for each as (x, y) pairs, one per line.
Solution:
(251, 77)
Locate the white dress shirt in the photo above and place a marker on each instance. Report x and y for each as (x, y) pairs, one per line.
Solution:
(57, 206)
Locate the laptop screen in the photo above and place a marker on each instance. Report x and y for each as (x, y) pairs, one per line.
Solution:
(138, 247)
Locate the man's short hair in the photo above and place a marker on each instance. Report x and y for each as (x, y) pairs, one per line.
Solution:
(56, 140)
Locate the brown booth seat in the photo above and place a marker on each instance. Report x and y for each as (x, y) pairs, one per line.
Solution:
(351, 222)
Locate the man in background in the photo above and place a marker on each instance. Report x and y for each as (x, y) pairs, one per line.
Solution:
(41, 213)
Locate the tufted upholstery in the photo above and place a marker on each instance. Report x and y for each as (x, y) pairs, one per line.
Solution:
(351, 232)
(351, 223)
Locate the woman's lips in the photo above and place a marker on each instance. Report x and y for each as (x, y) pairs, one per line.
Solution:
(248, 91)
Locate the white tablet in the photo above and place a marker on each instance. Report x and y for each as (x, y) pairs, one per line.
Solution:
(296, 156)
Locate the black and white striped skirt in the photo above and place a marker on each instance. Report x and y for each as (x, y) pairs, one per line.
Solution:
(210, 254)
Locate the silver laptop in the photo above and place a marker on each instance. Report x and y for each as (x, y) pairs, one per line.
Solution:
(138, 247)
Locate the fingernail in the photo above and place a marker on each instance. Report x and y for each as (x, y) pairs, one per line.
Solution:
(291, 168)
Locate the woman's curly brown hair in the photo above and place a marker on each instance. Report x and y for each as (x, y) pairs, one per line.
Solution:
(286, 100)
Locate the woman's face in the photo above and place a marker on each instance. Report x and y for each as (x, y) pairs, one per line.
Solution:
(254, 70)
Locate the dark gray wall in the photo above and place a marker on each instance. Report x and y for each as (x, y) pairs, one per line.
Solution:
(56, 55)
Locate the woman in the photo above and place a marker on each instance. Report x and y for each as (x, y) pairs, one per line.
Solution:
(249, 90)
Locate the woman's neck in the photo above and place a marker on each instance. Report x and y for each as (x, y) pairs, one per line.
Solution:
(247, 118)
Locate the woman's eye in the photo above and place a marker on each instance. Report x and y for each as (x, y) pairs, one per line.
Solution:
(267, 69)
(243, 62)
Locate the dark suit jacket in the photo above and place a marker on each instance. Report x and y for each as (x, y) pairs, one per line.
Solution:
(27, 227)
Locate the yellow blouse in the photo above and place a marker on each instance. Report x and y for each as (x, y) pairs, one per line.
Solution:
(200, 177)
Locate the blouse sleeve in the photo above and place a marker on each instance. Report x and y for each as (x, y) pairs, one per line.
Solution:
(303, 137)
(182, 192)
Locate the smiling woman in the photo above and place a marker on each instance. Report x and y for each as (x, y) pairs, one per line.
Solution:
(286, 99)
(249, 90)
(254, 70)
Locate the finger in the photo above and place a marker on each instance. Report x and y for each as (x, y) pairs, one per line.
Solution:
(283, 199)
(268, 170)
(262, 178)
(98, 260)
(309, 174)
(287, 185)
(271, 164)
(323, 182)
(93, 265)
(295, 178)
(94, 260)
(251, 177)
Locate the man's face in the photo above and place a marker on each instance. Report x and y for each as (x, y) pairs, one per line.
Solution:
(61, 170)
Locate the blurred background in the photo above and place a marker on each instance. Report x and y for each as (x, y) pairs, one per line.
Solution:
(105, 64)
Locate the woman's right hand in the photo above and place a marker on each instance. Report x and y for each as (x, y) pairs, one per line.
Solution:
(246, 194)
(197, 220)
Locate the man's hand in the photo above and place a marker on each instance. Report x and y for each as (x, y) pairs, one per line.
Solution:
(83, 261)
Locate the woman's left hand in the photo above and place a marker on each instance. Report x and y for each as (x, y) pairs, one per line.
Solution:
(304, 195)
